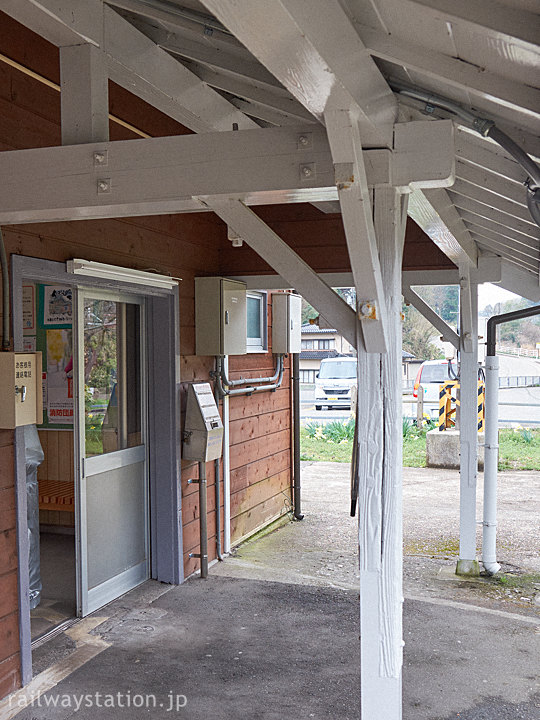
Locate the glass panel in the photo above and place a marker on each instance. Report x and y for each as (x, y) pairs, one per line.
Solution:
(115, 505)
(112, 386)
(254, 318)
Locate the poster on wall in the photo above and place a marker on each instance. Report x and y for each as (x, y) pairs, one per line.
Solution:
(56, 306)
(54, 340)
(59, 377)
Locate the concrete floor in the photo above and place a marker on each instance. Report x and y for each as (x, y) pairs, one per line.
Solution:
(273, 632)
(58, 600)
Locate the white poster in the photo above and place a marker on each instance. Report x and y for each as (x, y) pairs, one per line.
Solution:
(57, 305)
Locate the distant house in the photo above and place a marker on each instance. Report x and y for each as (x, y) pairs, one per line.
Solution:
(321, 343)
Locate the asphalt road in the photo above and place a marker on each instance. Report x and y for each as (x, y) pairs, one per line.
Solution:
(527, 413)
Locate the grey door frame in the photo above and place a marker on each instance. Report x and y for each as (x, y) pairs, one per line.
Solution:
(164, 439)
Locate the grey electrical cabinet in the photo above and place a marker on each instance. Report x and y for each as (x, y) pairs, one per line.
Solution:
(220, 316)
(203, 430)
(286, 323)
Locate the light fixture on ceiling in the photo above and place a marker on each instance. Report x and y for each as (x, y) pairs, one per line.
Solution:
(113, 272)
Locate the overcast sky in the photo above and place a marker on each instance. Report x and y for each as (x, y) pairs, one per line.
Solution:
(489, 294)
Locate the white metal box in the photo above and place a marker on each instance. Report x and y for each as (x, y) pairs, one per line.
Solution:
(286, 323)
(203, 431)
(20, 390)
(220, 316)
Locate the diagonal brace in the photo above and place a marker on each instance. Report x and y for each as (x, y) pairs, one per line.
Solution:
(275, 251)
(357, 213)
(448, 335)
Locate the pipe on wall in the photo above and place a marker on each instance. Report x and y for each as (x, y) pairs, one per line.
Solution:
(491, 459)
(296, 437)
(5, 294)
(226, 470)
(491, 444)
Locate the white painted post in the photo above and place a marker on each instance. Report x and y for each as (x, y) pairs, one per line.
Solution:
(468, 563)
(84, 95)
(380, 495)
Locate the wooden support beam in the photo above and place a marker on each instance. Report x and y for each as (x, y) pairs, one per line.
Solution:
(287, 263)
(162, 175)
(434, 212)
(448, 335)
(356, 211)
(498, 21)
(468, 426)
(84, 96)
(379, 484)
(479, 82)
(316, 53)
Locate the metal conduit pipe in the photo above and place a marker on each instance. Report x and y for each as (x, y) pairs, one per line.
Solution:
(296, 436)
(245, 381)
(491, 446)
(486, 128)
(217, 480)
(5, 294)
(251, 389)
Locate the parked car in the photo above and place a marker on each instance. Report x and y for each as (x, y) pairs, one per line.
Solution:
(431, 374)
(334, 381)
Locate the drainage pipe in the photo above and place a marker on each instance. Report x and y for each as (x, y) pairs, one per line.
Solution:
(491, 459)
(226, 467)
(217, 473)
(5, 294)
(491, 446)
(296, 436)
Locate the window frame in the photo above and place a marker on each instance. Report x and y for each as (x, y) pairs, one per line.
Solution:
(259, 344)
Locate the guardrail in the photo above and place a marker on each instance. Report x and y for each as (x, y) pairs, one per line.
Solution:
(519, 352)
(510, 381)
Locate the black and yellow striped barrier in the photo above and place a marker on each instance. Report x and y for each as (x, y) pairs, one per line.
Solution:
(449, 402)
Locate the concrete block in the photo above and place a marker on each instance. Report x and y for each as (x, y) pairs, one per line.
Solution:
(442, 449)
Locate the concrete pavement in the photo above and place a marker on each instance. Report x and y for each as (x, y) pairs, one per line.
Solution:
(273, 632)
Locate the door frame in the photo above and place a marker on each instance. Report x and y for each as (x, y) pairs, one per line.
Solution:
(164, 438)
(116, 585)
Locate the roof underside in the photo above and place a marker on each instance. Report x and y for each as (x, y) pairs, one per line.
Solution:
(483, 56)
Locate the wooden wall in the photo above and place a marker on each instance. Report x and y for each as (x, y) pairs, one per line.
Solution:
(9, 615)
(260, 443)
(183, 246)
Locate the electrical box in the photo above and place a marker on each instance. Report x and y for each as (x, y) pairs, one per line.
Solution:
(220, 316)
(20, 389)
(286, 323)
(203, 431)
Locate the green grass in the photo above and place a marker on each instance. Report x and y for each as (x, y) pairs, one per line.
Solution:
(519, 449)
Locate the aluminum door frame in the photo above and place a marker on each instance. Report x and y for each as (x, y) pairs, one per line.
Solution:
(89, 600)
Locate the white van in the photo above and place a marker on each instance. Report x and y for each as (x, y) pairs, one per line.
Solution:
(431, 375)
(334, 381)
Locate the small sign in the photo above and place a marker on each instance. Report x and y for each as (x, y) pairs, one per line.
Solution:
(29, 308)
(57, 305)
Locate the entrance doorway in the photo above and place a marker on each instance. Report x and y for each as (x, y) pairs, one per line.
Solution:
(109, 506)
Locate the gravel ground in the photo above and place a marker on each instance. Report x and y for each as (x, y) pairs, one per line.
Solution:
(324, 544)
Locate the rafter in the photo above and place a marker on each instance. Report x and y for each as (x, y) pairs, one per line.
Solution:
(488, 17)
(134, 61)
(315, 52)
(434, 212)
(454, 72)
